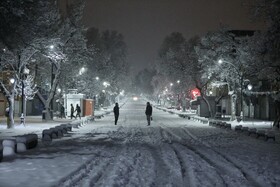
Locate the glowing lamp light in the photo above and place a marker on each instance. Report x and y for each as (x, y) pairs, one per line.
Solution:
(250, 87)
(12, 80)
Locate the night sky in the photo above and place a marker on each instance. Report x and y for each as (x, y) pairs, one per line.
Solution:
(145, 23)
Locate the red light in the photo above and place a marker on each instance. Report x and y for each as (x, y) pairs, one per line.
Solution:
(195, 93)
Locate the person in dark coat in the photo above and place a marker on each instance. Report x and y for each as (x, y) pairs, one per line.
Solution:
(149, 112)
(62, 112)
(116, 113)
(72, 112)
(78, 110)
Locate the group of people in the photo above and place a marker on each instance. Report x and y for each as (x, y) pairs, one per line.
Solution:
(148, 112)
(72, 111)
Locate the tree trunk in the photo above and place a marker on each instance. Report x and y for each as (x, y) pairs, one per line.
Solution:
(10, 119)
(209, 107)
(233, 107)
(46, 103)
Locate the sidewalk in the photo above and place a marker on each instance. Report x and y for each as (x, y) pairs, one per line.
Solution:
(251, 123)
(35, 124)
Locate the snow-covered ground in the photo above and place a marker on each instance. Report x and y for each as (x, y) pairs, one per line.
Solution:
(172, 151)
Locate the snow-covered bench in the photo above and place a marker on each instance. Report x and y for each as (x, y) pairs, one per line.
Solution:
(269, 134)
(56, 132)
(49, 134)
(245, 129)
(260, 133)
(252, 131)
(76, 125)
(238, 128)
(228, 126)
(1, 152)
(213, 123)
(219, 124)
(223, 124)
(67, 126)
(9, 147)
(60, 130)
(27, 141)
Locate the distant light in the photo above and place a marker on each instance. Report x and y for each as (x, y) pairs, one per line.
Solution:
(250, 87)
(210, 92)
(171, 84)
(178, 81)
(4, 50)
(220, 61)
(12, 80)
(59, 90)
(51, 46)
(135, 98)
(97, 78)
(82, 70)
(106, 84)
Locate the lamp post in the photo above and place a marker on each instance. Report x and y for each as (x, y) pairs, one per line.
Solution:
(240, 74)
(23, 99)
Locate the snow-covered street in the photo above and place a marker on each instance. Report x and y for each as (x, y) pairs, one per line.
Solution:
(173, 151)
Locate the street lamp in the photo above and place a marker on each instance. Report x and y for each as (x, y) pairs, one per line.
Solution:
(250, 87)
(239, 71)
(106, 84)
(23, 99)
(82, 70)
(12, 80)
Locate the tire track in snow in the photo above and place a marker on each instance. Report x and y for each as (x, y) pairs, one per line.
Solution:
(251, 180)
(191, 175)
(224, 164)
(198, 171)
(89, 172)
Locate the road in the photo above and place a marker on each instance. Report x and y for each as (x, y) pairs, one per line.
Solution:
(172, 152)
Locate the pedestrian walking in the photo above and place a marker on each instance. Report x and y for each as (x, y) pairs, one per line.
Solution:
(116, 113)
(78, 110)
(72, 111)
(149, 112)
(62, 112)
